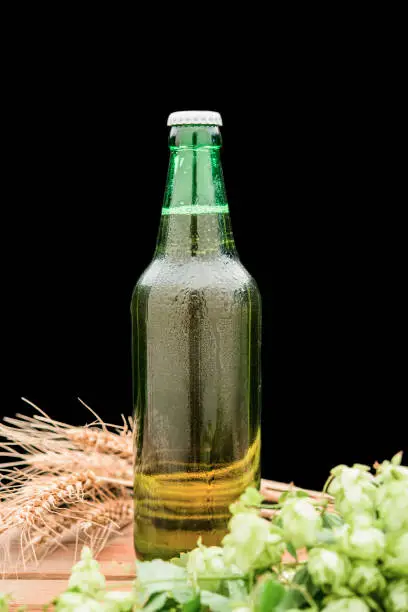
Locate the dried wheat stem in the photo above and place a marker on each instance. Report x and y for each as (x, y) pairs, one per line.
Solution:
(61, 490)
(127, 483)
(52, 534)
(92, 439)
(101, 464)
(117, 513)
(103, 521)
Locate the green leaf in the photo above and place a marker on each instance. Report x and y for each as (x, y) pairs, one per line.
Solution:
(292, 495)
(325, 536)
(301, 494)
(216, 603)
(331, 521)
(303, 578)
(268, 593)
(291, 599)
(277, 520)
(291, 550)
(183, 594)
(181, 561)
(156, 603)
(283, 496)
(396, 460)
(194, 605)
(237, 589)
(372, 604)
(294, 598)
(158, 576)
(251, 497)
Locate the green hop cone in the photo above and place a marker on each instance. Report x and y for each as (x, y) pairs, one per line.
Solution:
(396, 557)
(86, 576)
(361, 520)
(346, 477)
(396, 599)
(328, 568)
(250, 497)
(354, 491)
(392, 505)
(366, 543)
(388, 471)
(350, 604)
(77, 602)
(253, 542)
(301, 522)
(366, 578)
(206, 561)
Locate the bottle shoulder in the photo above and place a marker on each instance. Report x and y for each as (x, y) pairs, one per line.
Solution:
(197, 273)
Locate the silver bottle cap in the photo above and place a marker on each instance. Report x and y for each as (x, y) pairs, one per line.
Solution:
(194, 118)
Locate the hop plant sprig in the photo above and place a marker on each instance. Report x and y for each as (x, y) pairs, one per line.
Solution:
(357, 556)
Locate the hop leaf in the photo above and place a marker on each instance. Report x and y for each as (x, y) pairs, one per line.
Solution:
(366, 578)
(73, 601)
(118, 601)
(215, 602)
(397, 459)
(158, 576)
(301, 522)
(268, 593)
(328, 568)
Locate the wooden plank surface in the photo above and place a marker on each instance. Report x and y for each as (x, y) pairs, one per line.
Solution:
(117, 561)
(36, 585)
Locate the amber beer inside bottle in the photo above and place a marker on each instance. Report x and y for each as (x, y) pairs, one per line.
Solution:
(196, 334)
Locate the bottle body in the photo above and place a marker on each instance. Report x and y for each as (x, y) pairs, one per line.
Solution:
(196, 334)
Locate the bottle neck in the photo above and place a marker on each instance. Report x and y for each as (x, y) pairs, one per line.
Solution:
(195, 216)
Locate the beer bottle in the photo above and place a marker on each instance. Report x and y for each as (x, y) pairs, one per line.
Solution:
(196, 337)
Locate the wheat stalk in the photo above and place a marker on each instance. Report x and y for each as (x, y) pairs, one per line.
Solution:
(102, 441)
(40, 499)
(93, 524)
(60, 479)
(117, 512)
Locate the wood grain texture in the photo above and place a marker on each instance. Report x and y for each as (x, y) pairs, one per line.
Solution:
(37, 585)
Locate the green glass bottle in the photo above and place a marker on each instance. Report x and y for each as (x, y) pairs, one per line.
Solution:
(196, 337)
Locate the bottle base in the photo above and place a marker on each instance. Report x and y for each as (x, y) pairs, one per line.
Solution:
(160, 543)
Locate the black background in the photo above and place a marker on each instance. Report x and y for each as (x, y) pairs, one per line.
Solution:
(311, 168)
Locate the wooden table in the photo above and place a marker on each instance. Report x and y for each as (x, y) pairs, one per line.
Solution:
(38, 585)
